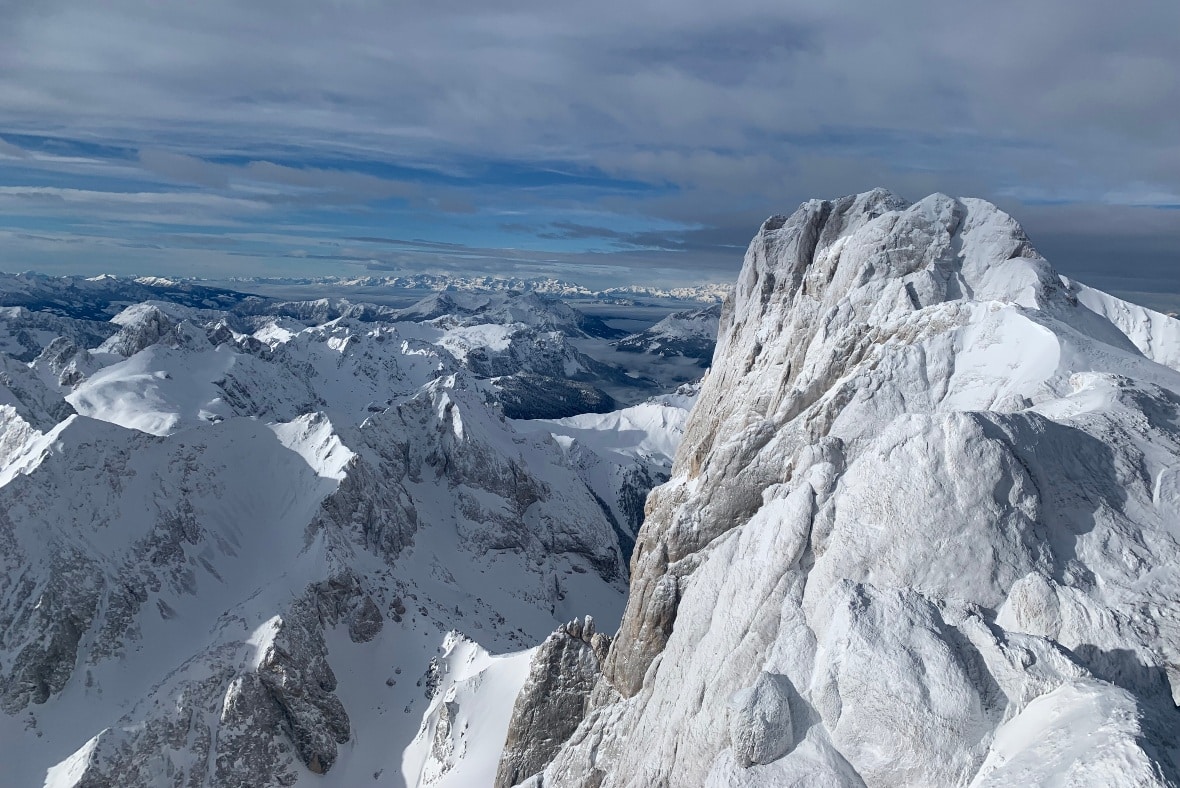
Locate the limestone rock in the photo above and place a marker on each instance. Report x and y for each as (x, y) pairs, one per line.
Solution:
(923, 513)
(760, 725)
(553, 700)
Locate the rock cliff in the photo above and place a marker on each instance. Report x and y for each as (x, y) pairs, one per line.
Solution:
(921, 530)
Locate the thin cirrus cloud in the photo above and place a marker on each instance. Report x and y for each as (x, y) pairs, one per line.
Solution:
(643, 138)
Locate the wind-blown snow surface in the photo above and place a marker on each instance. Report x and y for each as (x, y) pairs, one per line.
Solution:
(256, 552)
(923, 528)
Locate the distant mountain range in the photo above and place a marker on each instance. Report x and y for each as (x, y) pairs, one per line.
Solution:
(706, 293)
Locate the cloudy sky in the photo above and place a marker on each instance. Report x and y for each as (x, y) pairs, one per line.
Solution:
(640, 140)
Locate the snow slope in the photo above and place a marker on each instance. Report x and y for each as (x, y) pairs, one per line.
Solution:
(623, 454)
(921, 528)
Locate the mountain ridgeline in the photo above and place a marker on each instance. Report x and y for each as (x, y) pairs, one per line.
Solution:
(923, 529)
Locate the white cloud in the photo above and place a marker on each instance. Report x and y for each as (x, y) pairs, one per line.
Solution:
(10, 151)
(93, 197)
(543, 79)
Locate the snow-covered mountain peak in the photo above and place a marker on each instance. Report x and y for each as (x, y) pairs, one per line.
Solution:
(930, 483)
(874, 247)
(691, 333)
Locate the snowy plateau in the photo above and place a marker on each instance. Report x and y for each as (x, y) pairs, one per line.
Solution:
(919, 525)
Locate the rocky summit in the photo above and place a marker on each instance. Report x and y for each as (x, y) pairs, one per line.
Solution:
(923, 529)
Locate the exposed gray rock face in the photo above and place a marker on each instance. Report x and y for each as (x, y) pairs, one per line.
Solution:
(48, 632)
(29, 407)
(636, 483)
(141, 326)
(925, 485)
(25, 395)
(268, 723)
(371, 504)
(68, 363)
(523, 515)
(295, 672)
(25, 334)
(774, 274)
(54, 598)
(554, 699)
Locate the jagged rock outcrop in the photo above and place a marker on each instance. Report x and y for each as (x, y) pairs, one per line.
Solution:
(25, 394)
(232, 724)
(29, 407)
(295, 672)
(553, 700)
(66, 362)
(923, 514)
(141, 325)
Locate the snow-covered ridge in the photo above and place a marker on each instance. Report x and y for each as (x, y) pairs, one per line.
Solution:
(260, 543)
(691, 333)
(921, 529)
(100, 297)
